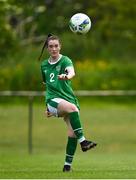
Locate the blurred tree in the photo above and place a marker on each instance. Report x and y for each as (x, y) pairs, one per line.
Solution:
(7, 35)
(113, 28)
(24, 23)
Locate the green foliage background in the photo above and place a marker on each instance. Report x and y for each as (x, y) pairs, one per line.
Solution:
(104, 58)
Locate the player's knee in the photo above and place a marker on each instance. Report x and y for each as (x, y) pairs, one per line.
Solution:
(73, 108)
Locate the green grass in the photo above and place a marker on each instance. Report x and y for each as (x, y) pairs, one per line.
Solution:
(112, 125)
(89, 165)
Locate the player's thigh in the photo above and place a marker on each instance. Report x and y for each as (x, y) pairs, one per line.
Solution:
(65, 107)
(60, 107)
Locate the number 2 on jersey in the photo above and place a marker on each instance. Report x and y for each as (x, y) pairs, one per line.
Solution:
(51, 77)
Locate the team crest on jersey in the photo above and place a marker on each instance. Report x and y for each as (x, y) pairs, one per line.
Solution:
(58, 68)
(45, 71)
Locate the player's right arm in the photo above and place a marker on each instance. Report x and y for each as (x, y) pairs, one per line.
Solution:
(48, 113)
(43, 75)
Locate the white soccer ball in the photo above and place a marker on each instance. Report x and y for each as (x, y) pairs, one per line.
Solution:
(80, 23)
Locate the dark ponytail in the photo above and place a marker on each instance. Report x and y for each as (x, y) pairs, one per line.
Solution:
(44, 45)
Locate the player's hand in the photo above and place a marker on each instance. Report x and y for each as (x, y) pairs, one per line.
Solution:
(48, 113)
(62, 77)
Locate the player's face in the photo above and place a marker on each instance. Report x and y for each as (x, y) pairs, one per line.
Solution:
(54, 48)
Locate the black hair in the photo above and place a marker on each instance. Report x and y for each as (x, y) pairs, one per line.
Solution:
(49, 37)
(44, 45)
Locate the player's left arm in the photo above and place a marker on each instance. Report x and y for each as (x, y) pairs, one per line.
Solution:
(69, 73)
(43, 76)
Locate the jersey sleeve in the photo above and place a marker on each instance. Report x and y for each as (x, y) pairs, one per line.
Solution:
(68, 62)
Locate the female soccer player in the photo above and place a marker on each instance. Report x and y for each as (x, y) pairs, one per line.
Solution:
(57, 72)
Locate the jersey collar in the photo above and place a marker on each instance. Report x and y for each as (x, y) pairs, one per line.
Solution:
(49, 60)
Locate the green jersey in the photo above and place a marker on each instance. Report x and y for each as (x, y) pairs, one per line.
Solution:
(56, 88)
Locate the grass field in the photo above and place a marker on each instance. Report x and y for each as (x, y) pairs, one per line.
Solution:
(110, 124)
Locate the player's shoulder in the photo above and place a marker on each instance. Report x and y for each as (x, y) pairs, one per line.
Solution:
(66, 59)
(44, 62)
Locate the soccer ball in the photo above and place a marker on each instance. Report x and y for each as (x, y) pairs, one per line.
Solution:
(80, 23)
